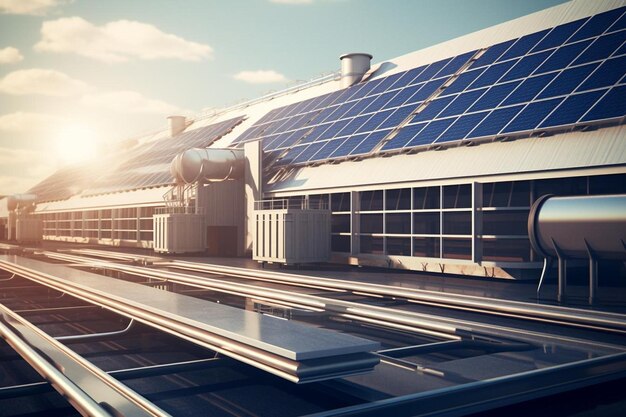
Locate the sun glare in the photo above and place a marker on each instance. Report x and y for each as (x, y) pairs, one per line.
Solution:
(76, 144)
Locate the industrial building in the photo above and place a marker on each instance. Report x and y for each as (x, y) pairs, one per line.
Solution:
(430, 161)
(138, 284)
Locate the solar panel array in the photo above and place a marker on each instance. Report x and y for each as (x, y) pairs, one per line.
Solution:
(150, 167)
(556, 78)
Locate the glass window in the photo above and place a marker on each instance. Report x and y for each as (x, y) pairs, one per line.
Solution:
(371, 223)
(371, 244)
(371, 200)
(608, 184)
(506, 194)
(426, 198)
(506, 250)
(340, 243)
(457, 223)
(398, 223)
(398, 199)
(426, 223)
(340, 223)
(340, 202)
(427, 247)
(399, 246)
(454, 248)
(505, 222)
(561, 186)
(318, 201)
(457, 196)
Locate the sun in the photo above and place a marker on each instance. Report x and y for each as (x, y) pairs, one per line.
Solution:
(76, 144)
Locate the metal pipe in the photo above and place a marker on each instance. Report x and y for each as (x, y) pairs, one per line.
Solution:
(207, 164)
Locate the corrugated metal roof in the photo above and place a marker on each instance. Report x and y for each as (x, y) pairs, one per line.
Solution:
(603, 147)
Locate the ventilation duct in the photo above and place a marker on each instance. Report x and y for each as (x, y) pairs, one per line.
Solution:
(206, 165)
(20, 200)
(353, 67)
(177, 124)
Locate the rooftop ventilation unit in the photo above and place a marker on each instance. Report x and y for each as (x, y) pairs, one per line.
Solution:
(177, 124)
(353, 67)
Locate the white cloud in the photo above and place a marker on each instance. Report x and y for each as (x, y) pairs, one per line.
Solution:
(260, 77)
(26, 122)
(41, 82)
(129, 102)
(292, 1)
(32, 7)
(117, 41)
(10, 55)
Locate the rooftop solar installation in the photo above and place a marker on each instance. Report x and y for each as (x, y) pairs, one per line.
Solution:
(555, 78)
(150, 167)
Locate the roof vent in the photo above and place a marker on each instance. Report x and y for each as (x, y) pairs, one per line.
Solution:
(177, 124)
(353, 67)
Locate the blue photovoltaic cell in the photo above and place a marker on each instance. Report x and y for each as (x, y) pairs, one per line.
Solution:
(620, 51)
(341, 111)
(528, 89)
(402, 96)
(532, 115)
(597, 24)
(267, 142)
(494, 123)
(316, 133)
(462, 81)
(567, 81)
(293, 138)
(386, 84)
(367, 88)
(404, 136)
(430, 72)
(359, 107)
(334, 129)
(348, 145)
(354, 125)
(610, 72)
(620, 24)
(375, 121)
(559, 35)
(525, 66)
(308, 152)
(380, 101)
(572, 109)
(562, 57)
(430, 132)
(612, 105)
(602, 48)
(408, 77)
(291, 155)
(432, 109)
(492, 74)
(397, 117)
(494, 52)
(370, 142)
(426, 91)
(275, 144)
(455, 63)
(494, 96)
(324, 114)
(523, 45)
(461, 127)
(461, 103)
(327, 149)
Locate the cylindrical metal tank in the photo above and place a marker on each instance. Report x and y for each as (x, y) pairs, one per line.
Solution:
(353, 67)
(13, 201)
(570, 227)
(199, 164)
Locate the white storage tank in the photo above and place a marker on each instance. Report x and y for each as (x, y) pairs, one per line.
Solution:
(291, 235)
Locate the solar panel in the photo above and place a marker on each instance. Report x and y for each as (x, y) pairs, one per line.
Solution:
(461, 127)
(328, 148)
(572, 109)
(370, 142)
(492, 74)
(610, 72)
(494, 96)
(562, 57)
(432, 109)
(529, 89)
(431, 132)
(612, 105)
(494, 52)
(461, 103)
(567, 81)
(462, 81)
(523, 45)
(494, 122)
(602, 47)
(526, 66)
(404, 136)
(532, 115)
(348, 145)
(597, 24)
(559, 35)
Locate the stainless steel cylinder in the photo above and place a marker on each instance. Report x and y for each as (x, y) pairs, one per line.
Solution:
(200, 164)
(577, 227)
(353, 67)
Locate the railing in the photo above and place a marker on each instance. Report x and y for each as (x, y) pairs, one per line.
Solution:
(178, 210)
(285, 203)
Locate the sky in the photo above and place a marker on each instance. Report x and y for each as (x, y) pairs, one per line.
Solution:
(78, 75)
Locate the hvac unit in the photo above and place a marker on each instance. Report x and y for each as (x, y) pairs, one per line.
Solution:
(178, 232)
(28, 228)
(291, 235)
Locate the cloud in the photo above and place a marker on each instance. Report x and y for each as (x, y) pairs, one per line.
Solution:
(32, 7)
(10, 55)
(117, 41)
(26, 122)
(37, 81)
(260, 77)
(291, 1)
(129, 102)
